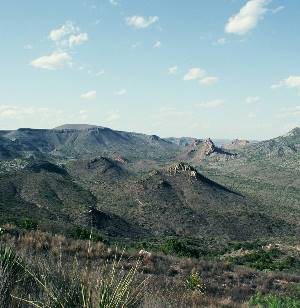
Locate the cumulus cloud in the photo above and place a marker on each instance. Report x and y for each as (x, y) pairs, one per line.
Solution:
(90, 95)
(66, 29)
(199, 74)
(120, 92)
(54, 61)
(28, 47)
(210, 104)
(252, 99)
(68, 35)
(292, 82)
(194, 73)
(278, 9)
(220, 41)
(114, 2)
(141, 22)
(209, 80)
(157, 44)
(248, 17)
(78, 39)
(15, 112)
(173, 70)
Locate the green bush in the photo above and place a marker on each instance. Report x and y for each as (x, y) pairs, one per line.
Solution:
(273, 301)
(79, 233)
(178, 247)
(27, 224)
(271, 260)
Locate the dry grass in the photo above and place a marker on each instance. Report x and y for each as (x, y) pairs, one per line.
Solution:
(74, 263)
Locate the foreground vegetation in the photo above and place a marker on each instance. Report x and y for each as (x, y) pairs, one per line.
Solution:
(38, 269)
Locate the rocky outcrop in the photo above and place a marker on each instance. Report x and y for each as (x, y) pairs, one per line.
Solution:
(201, 150)
(183, 168)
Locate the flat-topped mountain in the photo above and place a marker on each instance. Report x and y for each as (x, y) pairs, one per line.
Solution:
(84, 141)
(75, 126)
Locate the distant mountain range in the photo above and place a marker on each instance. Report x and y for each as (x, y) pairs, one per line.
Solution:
(134, 186)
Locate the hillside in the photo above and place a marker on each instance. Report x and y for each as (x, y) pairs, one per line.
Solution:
(84, 141)
(267, 171)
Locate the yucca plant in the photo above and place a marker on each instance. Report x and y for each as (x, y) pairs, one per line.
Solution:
(114, 289)
(11, 271)
(119, 291)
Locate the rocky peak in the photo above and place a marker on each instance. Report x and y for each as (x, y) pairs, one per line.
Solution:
(294, 132)
(183, 168)
(209, 146)
(196, 142)
(154, 138)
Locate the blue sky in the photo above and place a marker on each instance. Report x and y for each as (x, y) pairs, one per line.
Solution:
(201, 68)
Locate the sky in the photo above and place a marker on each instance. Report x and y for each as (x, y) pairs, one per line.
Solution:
(200, 68)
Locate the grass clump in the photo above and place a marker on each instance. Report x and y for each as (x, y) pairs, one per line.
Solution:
(79, 233)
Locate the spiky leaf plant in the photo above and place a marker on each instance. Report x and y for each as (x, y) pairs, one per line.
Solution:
(11, 270)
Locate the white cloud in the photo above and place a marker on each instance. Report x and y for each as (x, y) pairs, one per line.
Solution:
(54, 61)
(100, 73)
(120, 92)
(209, 80)
(210, 104)
(136, 45)
(15, 112)
(278, 9)
(292, 82)
(112, 116)
(248, 17)
(140, 22)
(157, 44)
(252, 99)
(220, 41)
(194, 73)
(28, 47)
(68, 35)
(289, 112)
(251, 115)
(173, 70)
(114, 2)
(90, 95)
(78, 39)
(66, 29)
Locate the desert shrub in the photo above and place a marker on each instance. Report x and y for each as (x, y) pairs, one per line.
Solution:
(270, 260)
(273, 301)
(195, 283)
(27, 224)
(80, 233)
(177, 247)
(11, 270)
(248, 245)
